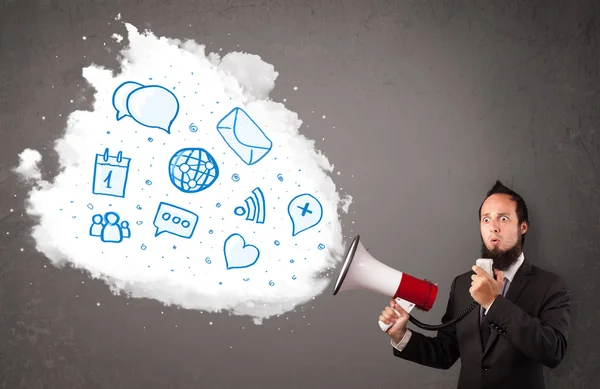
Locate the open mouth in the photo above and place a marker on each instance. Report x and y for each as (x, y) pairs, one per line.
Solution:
(494, 241)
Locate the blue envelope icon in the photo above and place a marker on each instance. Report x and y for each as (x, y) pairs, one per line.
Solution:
(244, 136)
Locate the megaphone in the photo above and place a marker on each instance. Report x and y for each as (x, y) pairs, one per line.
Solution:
(361, 271)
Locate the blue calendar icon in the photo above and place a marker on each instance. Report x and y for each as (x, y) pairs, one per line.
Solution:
(110, 174)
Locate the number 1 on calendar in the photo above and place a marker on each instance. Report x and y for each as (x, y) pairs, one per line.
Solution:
(107, 180)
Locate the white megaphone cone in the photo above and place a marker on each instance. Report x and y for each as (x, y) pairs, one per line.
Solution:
(362, 271)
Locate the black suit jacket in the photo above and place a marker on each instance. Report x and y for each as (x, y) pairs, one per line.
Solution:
(529, 330)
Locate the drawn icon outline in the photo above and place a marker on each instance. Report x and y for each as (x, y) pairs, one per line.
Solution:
(241, 133)
(306, 217)
(255, 209)
(152, 106)
(108, 229)
(110, 174)
(189, 165)
(238, 254)
(169, 213)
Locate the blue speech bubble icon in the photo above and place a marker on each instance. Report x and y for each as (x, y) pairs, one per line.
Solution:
(120, 96)
(305, 211)
(153, 106)
(174, 220)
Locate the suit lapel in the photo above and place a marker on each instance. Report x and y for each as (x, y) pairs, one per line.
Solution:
(513, 293)
(476, 322)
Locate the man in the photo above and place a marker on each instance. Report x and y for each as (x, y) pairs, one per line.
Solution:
(519, 326)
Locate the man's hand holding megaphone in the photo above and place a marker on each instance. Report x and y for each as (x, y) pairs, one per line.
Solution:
(399, 320)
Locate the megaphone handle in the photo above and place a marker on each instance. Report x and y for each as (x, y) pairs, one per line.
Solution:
(384, 327)
(406, 305)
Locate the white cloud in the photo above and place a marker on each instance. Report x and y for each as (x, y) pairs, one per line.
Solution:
(191, 273)
(28, 164)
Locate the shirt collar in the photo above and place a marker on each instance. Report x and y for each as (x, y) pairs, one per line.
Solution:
(512, 270)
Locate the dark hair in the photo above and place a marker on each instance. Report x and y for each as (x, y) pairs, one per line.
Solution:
(521, 206)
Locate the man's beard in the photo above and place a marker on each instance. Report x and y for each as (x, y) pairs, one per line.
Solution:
(503, 259)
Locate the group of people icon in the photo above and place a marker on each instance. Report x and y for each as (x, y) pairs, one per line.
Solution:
(108, 227)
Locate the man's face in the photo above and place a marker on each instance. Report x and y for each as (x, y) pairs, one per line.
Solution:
(500, 230)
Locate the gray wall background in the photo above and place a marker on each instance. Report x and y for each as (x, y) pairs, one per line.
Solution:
(431, 102)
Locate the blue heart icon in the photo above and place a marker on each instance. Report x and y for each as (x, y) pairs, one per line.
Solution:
(238, 254)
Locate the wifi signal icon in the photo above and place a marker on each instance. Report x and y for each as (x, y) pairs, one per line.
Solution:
(255, 207)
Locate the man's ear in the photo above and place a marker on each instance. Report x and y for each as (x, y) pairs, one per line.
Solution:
(524, 227)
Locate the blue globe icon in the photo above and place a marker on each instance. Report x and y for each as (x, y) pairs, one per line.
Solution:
(192, 170)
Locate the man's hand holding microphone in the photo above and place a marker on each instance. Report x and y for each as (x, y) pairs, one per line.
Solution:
(484, 290)
(398, 329)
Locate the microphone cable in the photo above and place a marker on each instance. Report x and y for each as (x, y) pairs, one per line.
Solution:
(451, 322)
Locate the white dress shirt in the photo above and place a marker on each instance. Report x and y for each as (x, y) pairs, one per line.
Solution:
(508, 273)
